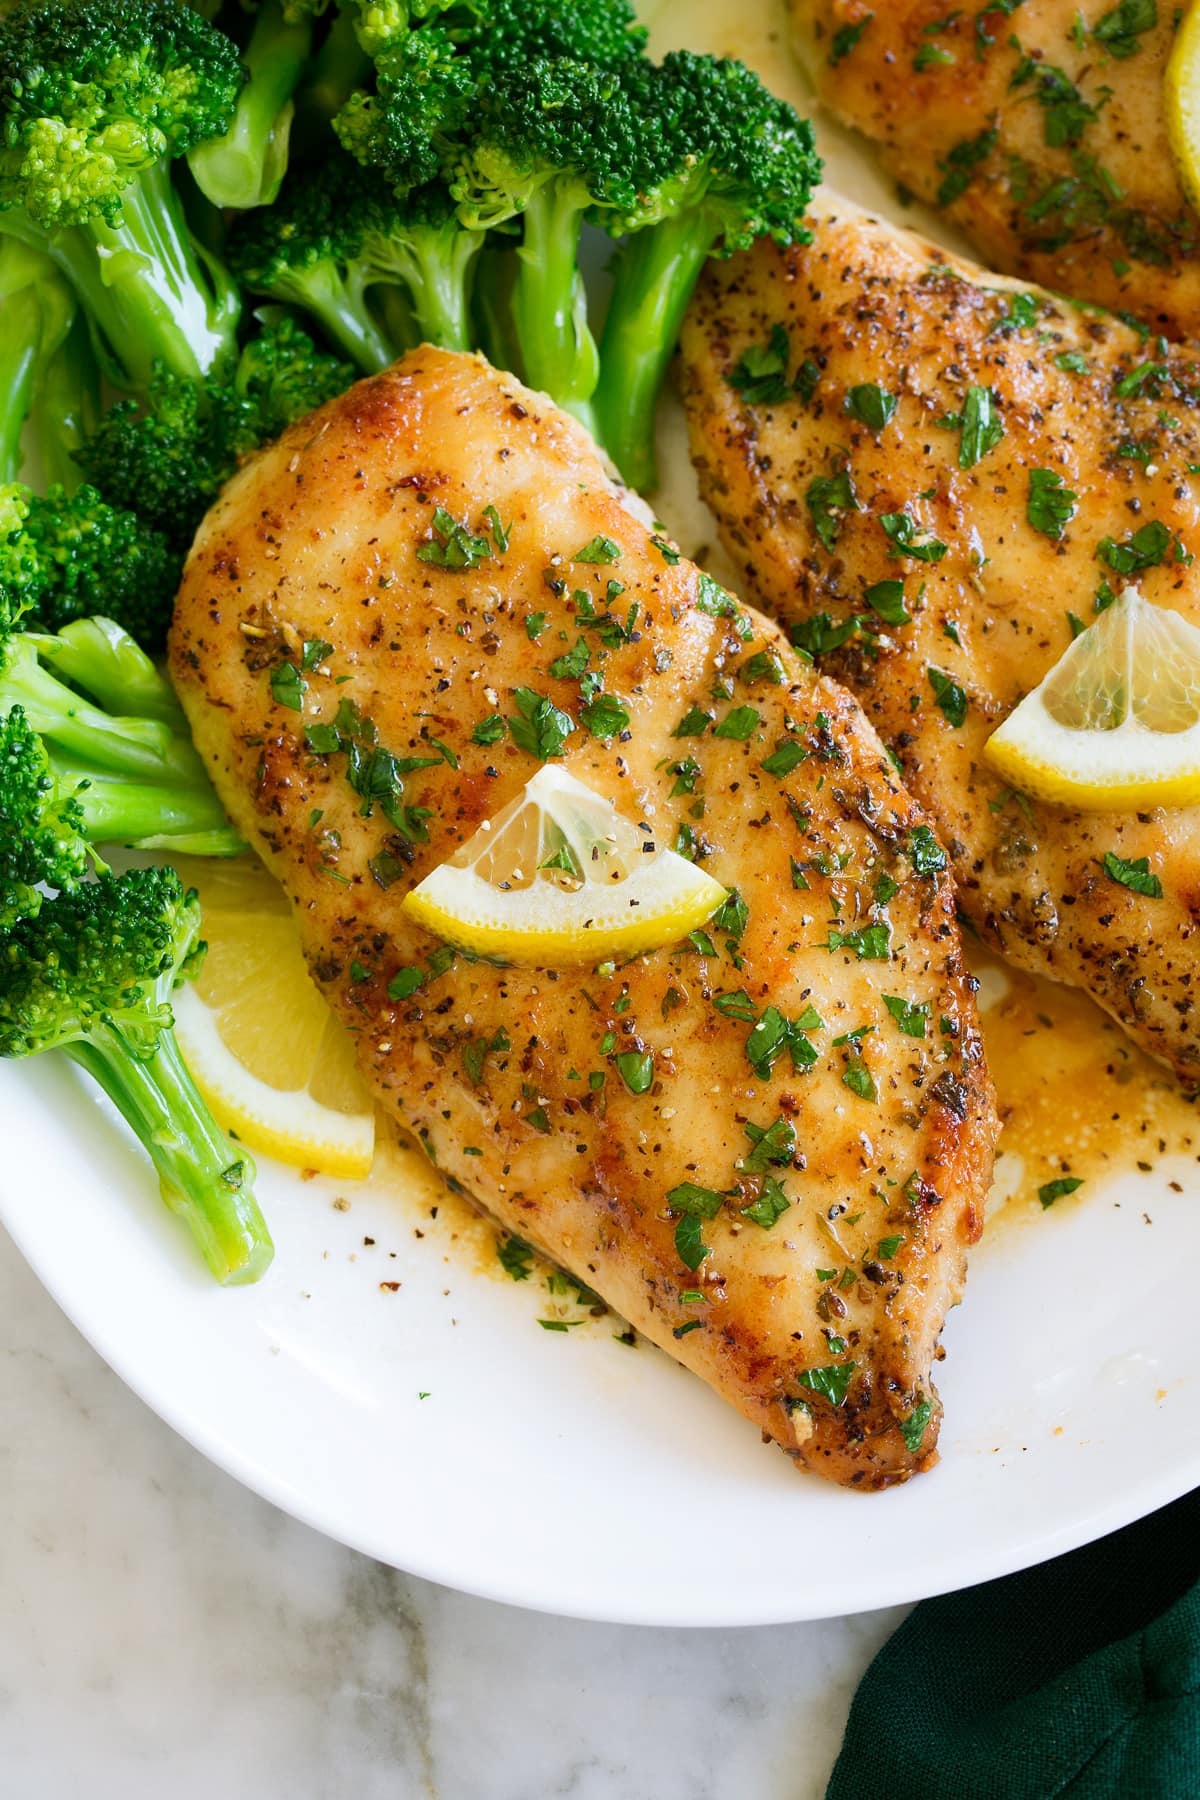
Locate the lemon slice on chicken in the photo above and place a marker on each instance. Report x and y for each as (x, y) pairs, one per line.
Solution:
(1181, 103)
(1115, 725)
(560, 874)
(274, 1064)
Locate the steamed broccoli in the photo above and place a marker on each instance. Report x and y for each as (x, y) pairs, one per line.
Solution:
(145, 784)
(96, 98)
(66, 407)
(335, 234)
(42, 834)
(68, 556)
(245, 165)
(555, 142)
(37, 308)
(167, 459)
(91, 975)
(722, 162)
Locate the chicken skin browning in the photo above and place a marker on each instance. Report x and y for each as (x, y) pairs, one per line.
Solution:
(1033, 458)
(1038, 129)
(779, 1187)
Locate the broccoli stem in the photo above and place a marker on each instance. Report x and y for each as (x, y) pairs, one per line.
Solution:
(141, 749)
(653, 280)
(189, 821)
(439, 285)
(152, 292)
(98, 656)
(341, 309)
(67, 408)
(19, 356)
(246, 167)
(549, 302)
(340, 65)
(492, 303)
(203, 1178)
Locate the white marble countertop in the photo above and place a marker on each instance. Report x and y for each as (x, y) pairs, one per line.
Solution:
(165, 1632)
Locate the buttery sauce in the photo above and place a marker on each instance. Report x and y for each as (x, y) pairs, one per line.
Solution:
(1076, 1099)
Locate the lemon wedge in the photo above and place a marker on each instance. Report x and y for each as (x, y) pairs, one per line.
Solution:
(274, 1064)
(1115, 725)
(560, 874)
(1181, 104)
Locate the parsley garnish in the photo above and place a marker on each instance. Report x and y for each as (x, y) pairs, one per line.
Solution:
(1050, 504)
(489, 730)
(774, 1145)
(476, 1053)
(843, 41)
(786, 756)
(770, 1206)
(1135, 875)
(1071, 362)
(761, 374)
(694, 723)
(828, 497)
(831, 1383)
(598, 550)
(1050, 1191)
(288, 686)
(910, 1015)
(516, 1258)
(453, 545)
(951, 698)
(739, 723)
(773, 1034)
(872, 405)
(912, 1429)
(737, 1005)
(1119, 29)
(605, 716)
(695, 1201)
(960, 166)
(733, 915)
(901, 530)
(924, 852)
(982, 428)
(315, 652)
(1145, 548)
(541, 728)
(858, 1078)
(886, 601)
(636, 1069)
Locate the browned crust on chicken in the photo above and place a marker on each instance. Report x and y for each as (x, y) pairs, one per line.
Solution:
(1081, 397)
(494, 1068)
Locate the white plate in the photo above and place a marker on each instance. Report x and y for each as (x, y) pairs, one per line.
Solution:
(565, 1471)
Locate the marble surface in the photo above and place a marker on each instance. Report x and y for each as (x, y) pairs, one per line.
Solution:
(163, 1631)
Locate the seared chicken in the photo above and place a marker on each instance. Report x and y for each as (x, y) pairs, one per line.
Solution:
(866, 410)
(1037, 128)
(779, 1187)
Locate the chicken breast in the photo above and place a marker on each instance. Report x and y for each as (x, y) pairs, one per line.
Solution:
(1036, 127)
(781, 1187)
(866, 410)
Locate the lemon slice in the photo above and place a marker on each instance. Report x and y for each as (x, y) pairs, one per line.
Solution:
(561, 874)
(274, 1064)
(1181, 104)
(1115, 725)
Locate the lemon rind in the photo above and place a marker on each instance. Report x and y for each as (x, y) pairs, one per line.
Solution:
(1181, 105)
(273, 1121)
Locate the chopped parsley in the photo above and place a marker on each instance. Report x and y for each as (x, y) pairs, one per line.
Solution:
(1050, 505)
(828, 497)
(913, 1429)
(476, 1053)
(605, 716)
(901, 530)
(858, 1078)
(831, 1383)
(924, 852)
(1119, 30)
(951, 698)
(516, 1258)
(1050, 1191)
(541, 728)
(489, 730)
(871, 405)
(982, 428)
(636, 1069)
(786, 756)
(733, 915)
(774, 1033)
(1143, 549)
(598, 550)
(910, 1015)
(776, 1145)
(535, 624)
(694, 723)
(844, 40)
(1135, 875)
(452, 545)
(739, 723)
(761, 375)
(1071, 362)
(764, 665)
(315, 652)
(736, 1005)
(870, 943)
(886, 601)
(770, 1206)
(288, 686)
(960, 166)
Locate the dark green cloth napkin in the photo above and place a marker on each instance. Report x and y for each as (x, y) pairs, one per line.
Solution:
(1078, 1680)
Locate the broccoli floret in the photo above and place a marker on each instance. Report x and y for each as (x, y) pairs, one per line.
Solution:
(555, 142)
(335, 234)
(722, 162)
(74, 555)
(96, 98)
(246, 164)
(92, 975)
(41, 823)
(145, 784)
(169, 458)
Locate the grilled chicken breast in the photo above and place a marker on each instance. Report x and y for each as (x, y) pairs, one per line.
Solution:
(383, 597)
(1037, 129)
(866, 410)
